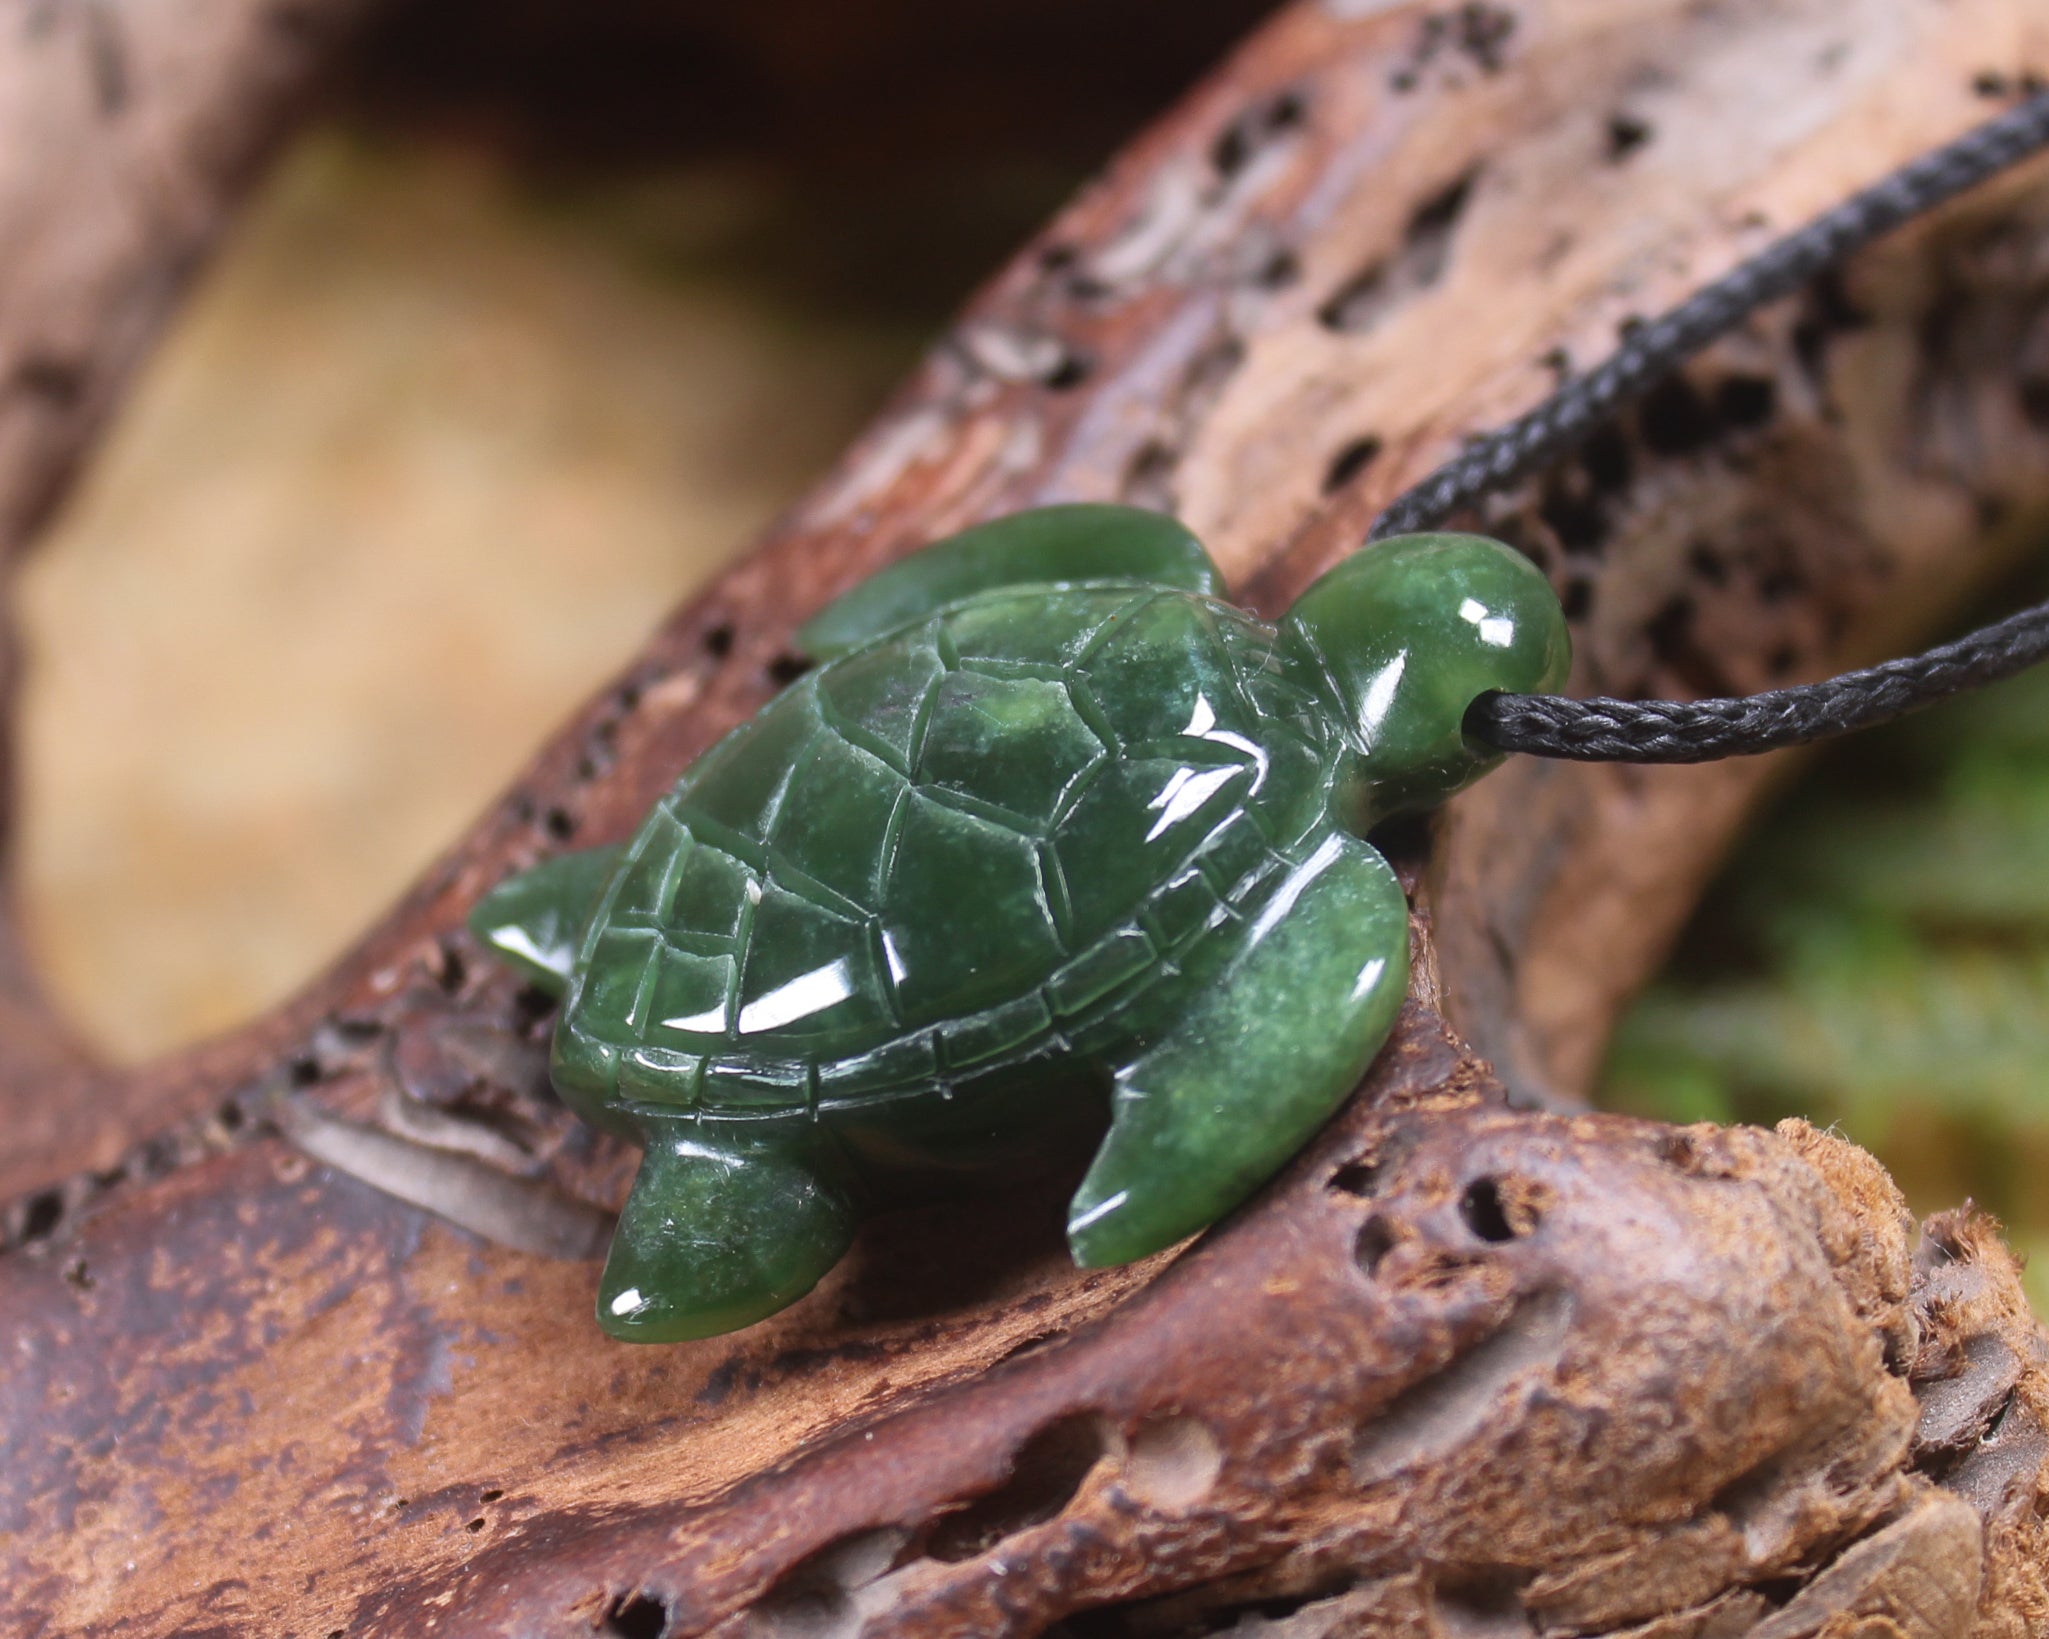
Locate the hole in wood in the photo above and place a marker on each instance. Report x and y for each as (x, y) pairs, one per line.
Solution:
(636, 1616)
(1482, 1605)
(1360, 1177)
(1605, 459)
(814, 1598)
(1357, 303)
(1174, 1462)
(1578, 520)
(1350, 460)
(1626, 134)
(1048, 1471)
(1365, 299)
(1279, 271)
(1751, 1502)
(1429, 1421)
(1429, 232)
(1245, 136)
(1149, 477)
(455, 972)
(530, 1005)
(1483, 34)
(1674, 419)
(1376, 1240)
(1072, 370)
(1499, 1209)
(1482, 1211)
(42, 1215)
(1744, 402)
(59, 381)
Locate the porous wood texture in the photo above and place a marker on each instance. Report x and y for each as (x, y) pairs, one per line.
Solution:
(1471, 1366)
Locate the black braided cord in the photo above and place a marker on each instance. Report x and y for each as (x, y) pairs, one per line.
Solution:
(1700, 731)
(1652, 349)
(1692, 731)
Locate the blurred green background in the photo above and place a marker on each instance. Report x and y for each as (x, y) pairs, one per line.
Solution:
(553, 312)
(1876, 957)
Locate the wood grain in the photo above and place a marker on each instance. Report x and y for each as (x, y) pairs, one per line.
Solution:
(1704, 1383)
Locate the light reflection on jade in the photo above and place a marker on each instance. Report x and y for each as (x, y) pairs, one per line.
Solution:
(1055, 848)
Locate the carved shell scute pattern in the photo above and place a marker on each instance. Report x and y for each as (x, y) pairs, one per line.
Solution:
(968, 843)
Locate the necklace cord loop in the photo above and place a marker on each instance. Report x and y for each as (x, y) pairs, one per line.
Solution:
(1698, 731)
(1685, 731)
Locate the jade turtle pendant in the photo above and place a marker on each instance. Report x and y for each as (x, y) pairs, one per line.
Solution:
(1055, 848)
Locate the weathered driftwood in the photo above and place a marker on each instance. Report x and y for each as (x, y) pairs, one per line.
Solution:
(1469, 1367)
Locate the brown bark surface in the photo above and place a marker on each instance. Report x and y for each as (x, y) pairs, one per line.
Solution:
(1470, 1366)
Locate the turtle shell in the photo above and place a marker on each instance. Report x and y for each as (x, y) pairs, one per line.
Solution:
(983, 839)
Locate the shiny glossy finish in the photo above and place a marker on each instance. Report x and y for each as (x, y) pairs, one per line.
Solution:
(1055, 852)
(1081, 541)
(1409, 632)
(534, 921)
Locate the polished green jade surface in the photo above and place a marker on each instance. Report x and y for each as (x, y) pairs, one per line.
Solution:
(1057, 849)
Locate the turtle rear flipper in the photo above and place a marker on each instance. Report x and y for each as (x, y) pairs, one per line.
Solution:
(717, 1234)
(1257, 1064)
(533, 921)
(1050, 544)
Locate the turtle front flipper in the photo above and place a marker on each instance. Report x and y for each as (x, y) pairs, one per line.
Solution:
(532, 921)
(719, 1232)
(1046, 544)
(1257, 1064)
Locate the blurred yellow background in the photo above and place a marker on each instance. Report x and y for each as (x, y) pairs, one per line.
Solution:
(422, 463)
(555, 311)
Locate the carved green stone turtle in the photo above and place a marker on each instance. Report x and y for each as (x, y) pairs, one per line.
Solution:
(1054, 838)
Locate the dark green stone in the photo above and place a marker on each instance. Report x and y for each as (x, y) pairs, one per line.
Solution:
(534, 921)
(1057, 838)
(1045, 545)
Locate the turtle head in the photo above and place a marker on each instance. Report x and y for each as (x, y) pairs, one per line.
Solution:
(1402, 637)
